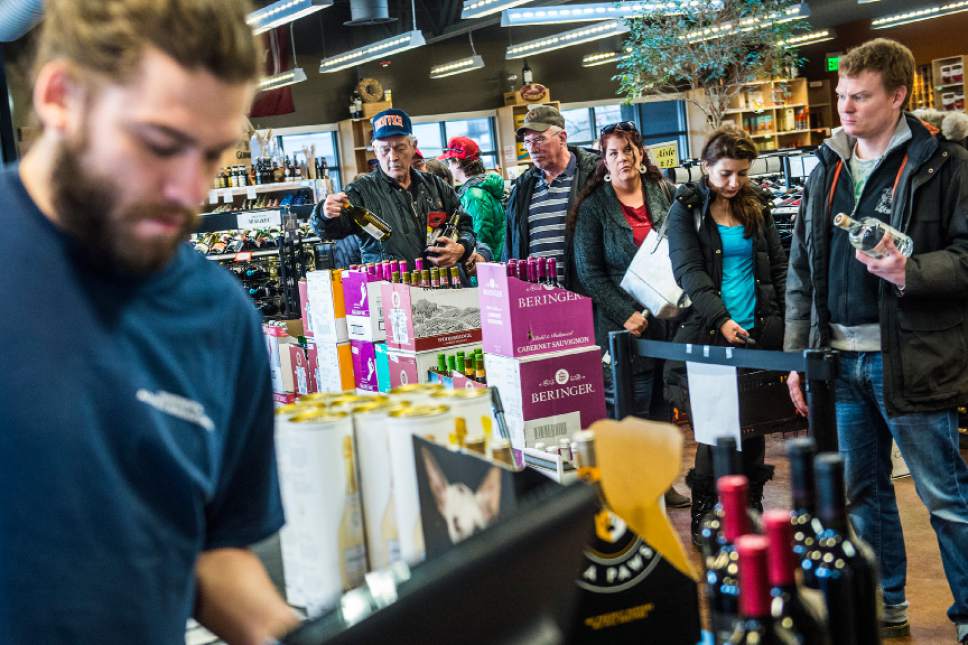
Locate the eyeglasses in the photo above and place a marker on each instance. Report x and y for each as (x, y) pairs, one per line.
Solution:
(534, 142)
(621, 126)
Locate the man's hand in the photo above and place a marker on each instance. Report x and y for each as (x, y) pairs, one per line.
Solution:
(471, 265)
(446, 253)
(333, 205)
(637, 324)
(734, 333)
(890, 266)
(796, 393)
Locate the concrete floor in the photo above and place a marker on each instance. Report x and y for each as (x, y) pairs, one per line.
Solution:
(927, 588)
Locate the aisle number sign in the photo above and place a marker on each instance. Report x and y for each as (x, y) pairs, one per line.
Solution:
(665, 155)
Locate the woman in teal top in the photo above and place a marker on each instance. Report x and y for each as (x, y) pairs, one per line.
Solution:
(726, 255)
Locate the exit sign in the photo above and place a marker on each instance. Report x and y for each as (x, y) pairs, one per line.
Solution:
(833, 62)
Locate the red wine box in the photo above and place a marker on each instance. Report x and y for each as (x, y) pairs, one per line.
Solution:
(414, 367)
(525, 318)
(362, 295)
(548, 396)
(419, 320)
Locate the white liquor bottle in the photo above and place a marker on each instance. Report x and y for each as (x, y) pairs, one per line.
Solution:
(867, 233)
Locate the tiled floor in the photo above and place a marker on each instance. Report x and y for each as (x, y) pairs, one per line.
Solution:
(927, 588)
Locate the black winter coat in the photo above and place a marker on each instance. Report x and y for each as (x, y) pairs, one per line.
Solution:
(697, 263)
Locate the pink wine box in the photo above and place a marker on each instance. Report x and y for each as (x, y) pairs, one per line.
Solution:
(362, 294)
(419, 320)
(526, 318)
(549, 396)
(414, 367)
(364, 365)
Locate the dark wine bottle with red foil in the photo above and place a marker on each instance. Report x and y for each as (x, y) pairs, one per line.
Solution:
(522, 270)
(755, 625)
(846, 572)
(790, 609)
(722, 567)
(726, 461)
(801, 453)
(552, 272)
(512, 268)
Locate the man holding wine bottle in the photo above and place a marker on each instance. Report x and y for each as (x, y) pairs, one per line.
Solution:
(398, 212)
(897, 311)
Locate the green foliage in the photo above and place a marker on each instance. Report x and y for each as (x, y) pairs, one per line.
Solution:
(709, 50)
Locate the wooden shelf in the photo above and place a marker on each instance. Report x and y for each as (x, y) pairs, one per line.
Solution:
(786, 132)
(765, 108)
(763, 135)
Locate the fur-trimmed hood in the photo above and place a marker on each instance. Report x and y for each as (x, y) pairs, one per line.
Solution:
(953, 125)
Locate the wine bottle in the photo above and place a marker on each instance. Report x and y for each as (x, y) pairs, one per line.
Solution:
(479, 374)
(434, 278)
(722, 583)
(501, 452)
(455, 278)
(791, 610)
(552, 272)
(442, 364)
(845, 569)
(542, 269)
(805, 525)
(366, 220)
(527, 76)
(512, 268)
(726, 461)
(755, 625)
(425, 278)
(351, 544)
(867, 233)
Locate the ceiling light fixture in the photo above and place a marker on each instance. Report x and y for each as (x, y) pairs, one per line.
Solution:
(602, 58)
(794, 12)
(481, 8)
(468, 64)
(289, 77)
(373, 51)
(282, 12)
(918, 15)
(811, 38)
(566, 39)
(595, 11)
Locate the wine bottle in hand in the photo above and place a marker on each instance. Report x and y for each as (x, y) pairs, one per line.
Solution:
(368, 221)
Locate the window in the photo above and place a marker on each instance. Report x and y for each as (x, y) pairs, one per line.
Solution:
(324, 143)
(432, 136)
(658, 122)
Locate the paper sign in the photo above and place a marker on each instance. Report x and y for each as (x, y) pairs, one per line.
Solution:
(259, 219)
(250, 192)
(664, 155)
(213, 197)
(244, 256)
(714, 402)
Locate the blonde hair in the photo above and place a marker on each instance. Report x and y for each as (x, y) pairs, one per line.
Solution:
(894, 61)
(108, 37)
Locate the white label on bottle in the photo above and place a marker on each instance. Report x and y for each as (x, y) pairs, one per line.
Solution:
(376, 233)
(213, 197)
(250, 192)
(259, 219)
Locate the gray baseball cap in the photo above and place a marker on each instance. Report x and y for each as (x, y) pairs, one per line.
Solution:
(540, 118)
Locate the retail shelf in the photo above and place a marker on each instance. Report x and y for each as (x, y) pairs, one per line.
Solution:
(765, 108)
(225, 194)
(242, 256)
(780, 134)
(763, 135)
(941, 87)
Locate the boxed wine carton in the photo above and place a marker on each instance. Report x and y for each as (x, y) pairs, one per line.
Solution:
(548, 396)
(364, 365)
(414, 367)
(333, 366)
(303, 376)
(419, 320)
(280, 366)
(327, 309)
(382, 367)
(521, 318)
(362, 295)
(304, 309)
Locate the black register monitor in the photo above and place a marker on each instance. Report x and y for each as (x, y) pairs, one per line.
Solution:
(513, 583)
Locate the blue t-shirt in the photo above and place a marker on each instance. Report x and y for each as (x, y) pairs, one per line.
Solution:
(135, 432)
(739, 285)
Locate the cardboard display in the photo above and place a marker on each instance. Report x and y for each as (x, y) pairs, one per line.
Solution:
(334, 366)
(414, 367)
(327, 309)
(364, 365)
(382, 367)
(363, 296)
(419, 320)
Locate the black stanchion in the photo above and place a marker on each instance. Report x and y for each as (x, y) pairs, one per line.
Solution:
(821, 371)
(621, 352)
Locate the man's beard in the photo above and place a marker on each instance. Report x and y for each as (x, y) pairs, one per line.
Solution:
(88, 208)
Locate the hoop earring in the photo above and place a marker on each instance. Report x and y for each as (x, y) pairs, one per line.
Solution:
(642, 168)
(607, 177)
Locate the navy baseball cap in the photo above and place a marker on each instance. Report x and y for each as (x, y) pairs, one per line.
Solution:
(391, 123)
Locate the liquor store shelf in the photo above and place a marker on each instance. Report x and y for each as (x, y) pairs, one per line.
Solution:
(245, 256)
(221, 193)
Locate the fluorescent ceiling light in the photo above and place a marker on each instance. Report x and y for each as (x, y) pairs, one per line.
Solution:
(566, 39)
(373, 51)
(290, 77)
(917, 15)
(595, 11)
(602, 58)
(282, 12)
(481, 8)
(794, 12)
(811, 38)
(457, 67)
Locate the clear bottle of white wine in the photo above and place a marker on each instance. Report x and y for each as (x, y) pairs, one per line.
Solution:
(368, 221)
(867, 233)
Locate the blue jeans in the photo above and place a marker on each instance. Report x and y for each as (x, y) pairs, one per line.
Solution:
(929, 444)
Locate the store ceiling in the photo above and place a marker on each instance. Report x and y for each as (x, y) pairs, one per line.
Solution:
(324, 32)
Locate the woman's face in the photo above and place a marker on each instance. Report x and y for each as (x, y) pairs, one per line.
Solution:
(728, 176)
(622, 158)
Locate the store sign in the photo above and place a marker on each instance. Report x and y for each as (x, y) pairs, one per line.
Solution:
(665, 155)
(833, 62)
(260, 219)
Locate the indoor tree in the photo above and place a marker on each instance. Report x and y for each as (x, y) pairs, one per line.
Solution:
(712, 47)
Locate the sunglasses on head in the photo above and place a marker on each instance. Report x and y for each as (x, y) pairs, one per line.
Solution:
(621, 126)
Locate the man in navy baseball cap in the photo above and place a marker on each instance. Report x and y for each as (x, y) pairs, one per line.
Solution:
(391, 123)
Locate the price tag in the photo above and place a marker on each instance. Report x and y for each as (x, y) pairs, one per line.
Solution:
(259, 219)
(213, 196)
(665, 155)
(244, 256)
(227, 196)
(250, 192)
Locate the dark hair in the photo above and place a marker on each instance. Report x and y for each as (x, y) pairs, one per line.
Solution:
(439, 168)
(472, 167)
(597, 178)
(731, 142)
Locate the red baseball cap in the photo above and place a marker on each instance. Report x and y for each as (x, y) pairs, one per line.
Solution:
(461, 148)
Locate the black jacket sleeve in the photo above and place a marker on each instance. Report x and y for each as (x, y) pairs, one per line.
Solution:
(689, 268)
(338, 227)
(465, 225)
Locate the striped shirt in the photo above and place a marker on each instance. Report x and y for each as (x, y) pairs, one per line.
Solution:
(546, 216)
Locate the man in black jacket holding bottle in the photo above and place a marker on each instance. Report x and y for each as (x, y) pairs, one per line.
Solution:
(900, 323)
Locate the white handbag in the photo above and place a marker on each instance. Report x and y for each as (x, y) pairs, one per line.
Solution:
(649, 278)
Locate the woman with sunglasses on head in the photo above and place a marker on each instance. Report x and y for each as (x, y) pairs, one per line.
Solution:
(726, 256)
(624, 198)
